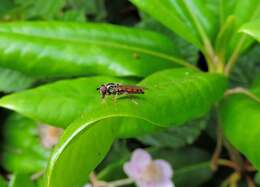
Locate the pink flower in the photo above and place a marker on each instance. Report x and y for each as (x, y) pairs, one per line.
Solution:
(49, 135)
(147, 172)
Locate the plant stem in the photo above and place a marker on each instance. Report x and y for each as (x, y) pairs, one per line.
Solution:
(233, 59)
(235, 156)
(218, 149)
(232, 180)
(121, 182)
(240, 90)
(250, 182)
(227, 163)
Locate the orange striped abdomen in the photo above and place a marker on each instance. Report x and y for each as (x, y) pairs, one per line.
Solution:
(121, 89)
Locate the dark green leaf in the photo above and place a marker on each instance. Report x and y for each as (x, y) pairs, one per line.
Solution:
(22, 151)
(248, 66)
(37, 48)
(257, 178)
(175, 137)
(181, 95)
(39, 8)
(11, 80)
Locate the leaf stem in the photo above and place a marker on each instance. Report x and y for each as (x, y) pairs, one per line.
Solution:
(233, 59)
(212, 60)
(121, 182)
(219, 135)
(250, 182)
(240, 90)
(227, 163)
(235, 156)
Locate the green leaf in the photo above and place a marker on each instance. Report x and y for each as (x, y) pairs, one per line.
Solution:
(22, 151)
(257, 178)
(191, 165)
(243, 11)
(11, 80)
(46, 9)
(252, 29)
(175, 137)
(248, 66)
(61, 102)
(240, 116)
(223, 37)
(37, 49)
(21, 180)
(181, 95)
(3, 183)
(58, 103)
(73, 15)
(187, 50)
(194, 20)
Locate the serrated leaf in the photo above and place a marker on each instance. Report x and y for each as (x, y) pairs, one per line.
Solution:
(57, 49)
(11, 80)
(178, 95)
(240, 116)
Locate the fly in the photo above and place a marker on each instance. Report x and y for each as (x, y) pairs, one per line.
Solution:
(119, 89)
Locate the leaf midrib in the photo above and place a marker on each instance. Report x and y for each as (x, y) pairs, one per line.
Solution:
(109, 44)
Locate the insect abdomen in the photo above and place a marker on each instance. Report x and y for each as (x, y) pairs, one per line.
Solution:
(130, 90)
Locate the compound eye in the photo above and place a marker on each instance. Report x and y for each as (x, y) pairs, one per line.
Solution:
(110, 89)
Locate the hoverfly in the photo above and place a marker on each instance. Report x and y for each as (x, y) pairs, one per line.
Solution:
(119, 89)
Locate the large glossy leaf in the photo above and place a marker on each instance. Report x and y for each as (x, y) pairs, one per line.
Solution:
(58, 103)
(68, 49)
(240, 116)
(192, 20)
(61, 102)
(11, 80)
(181, 95)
